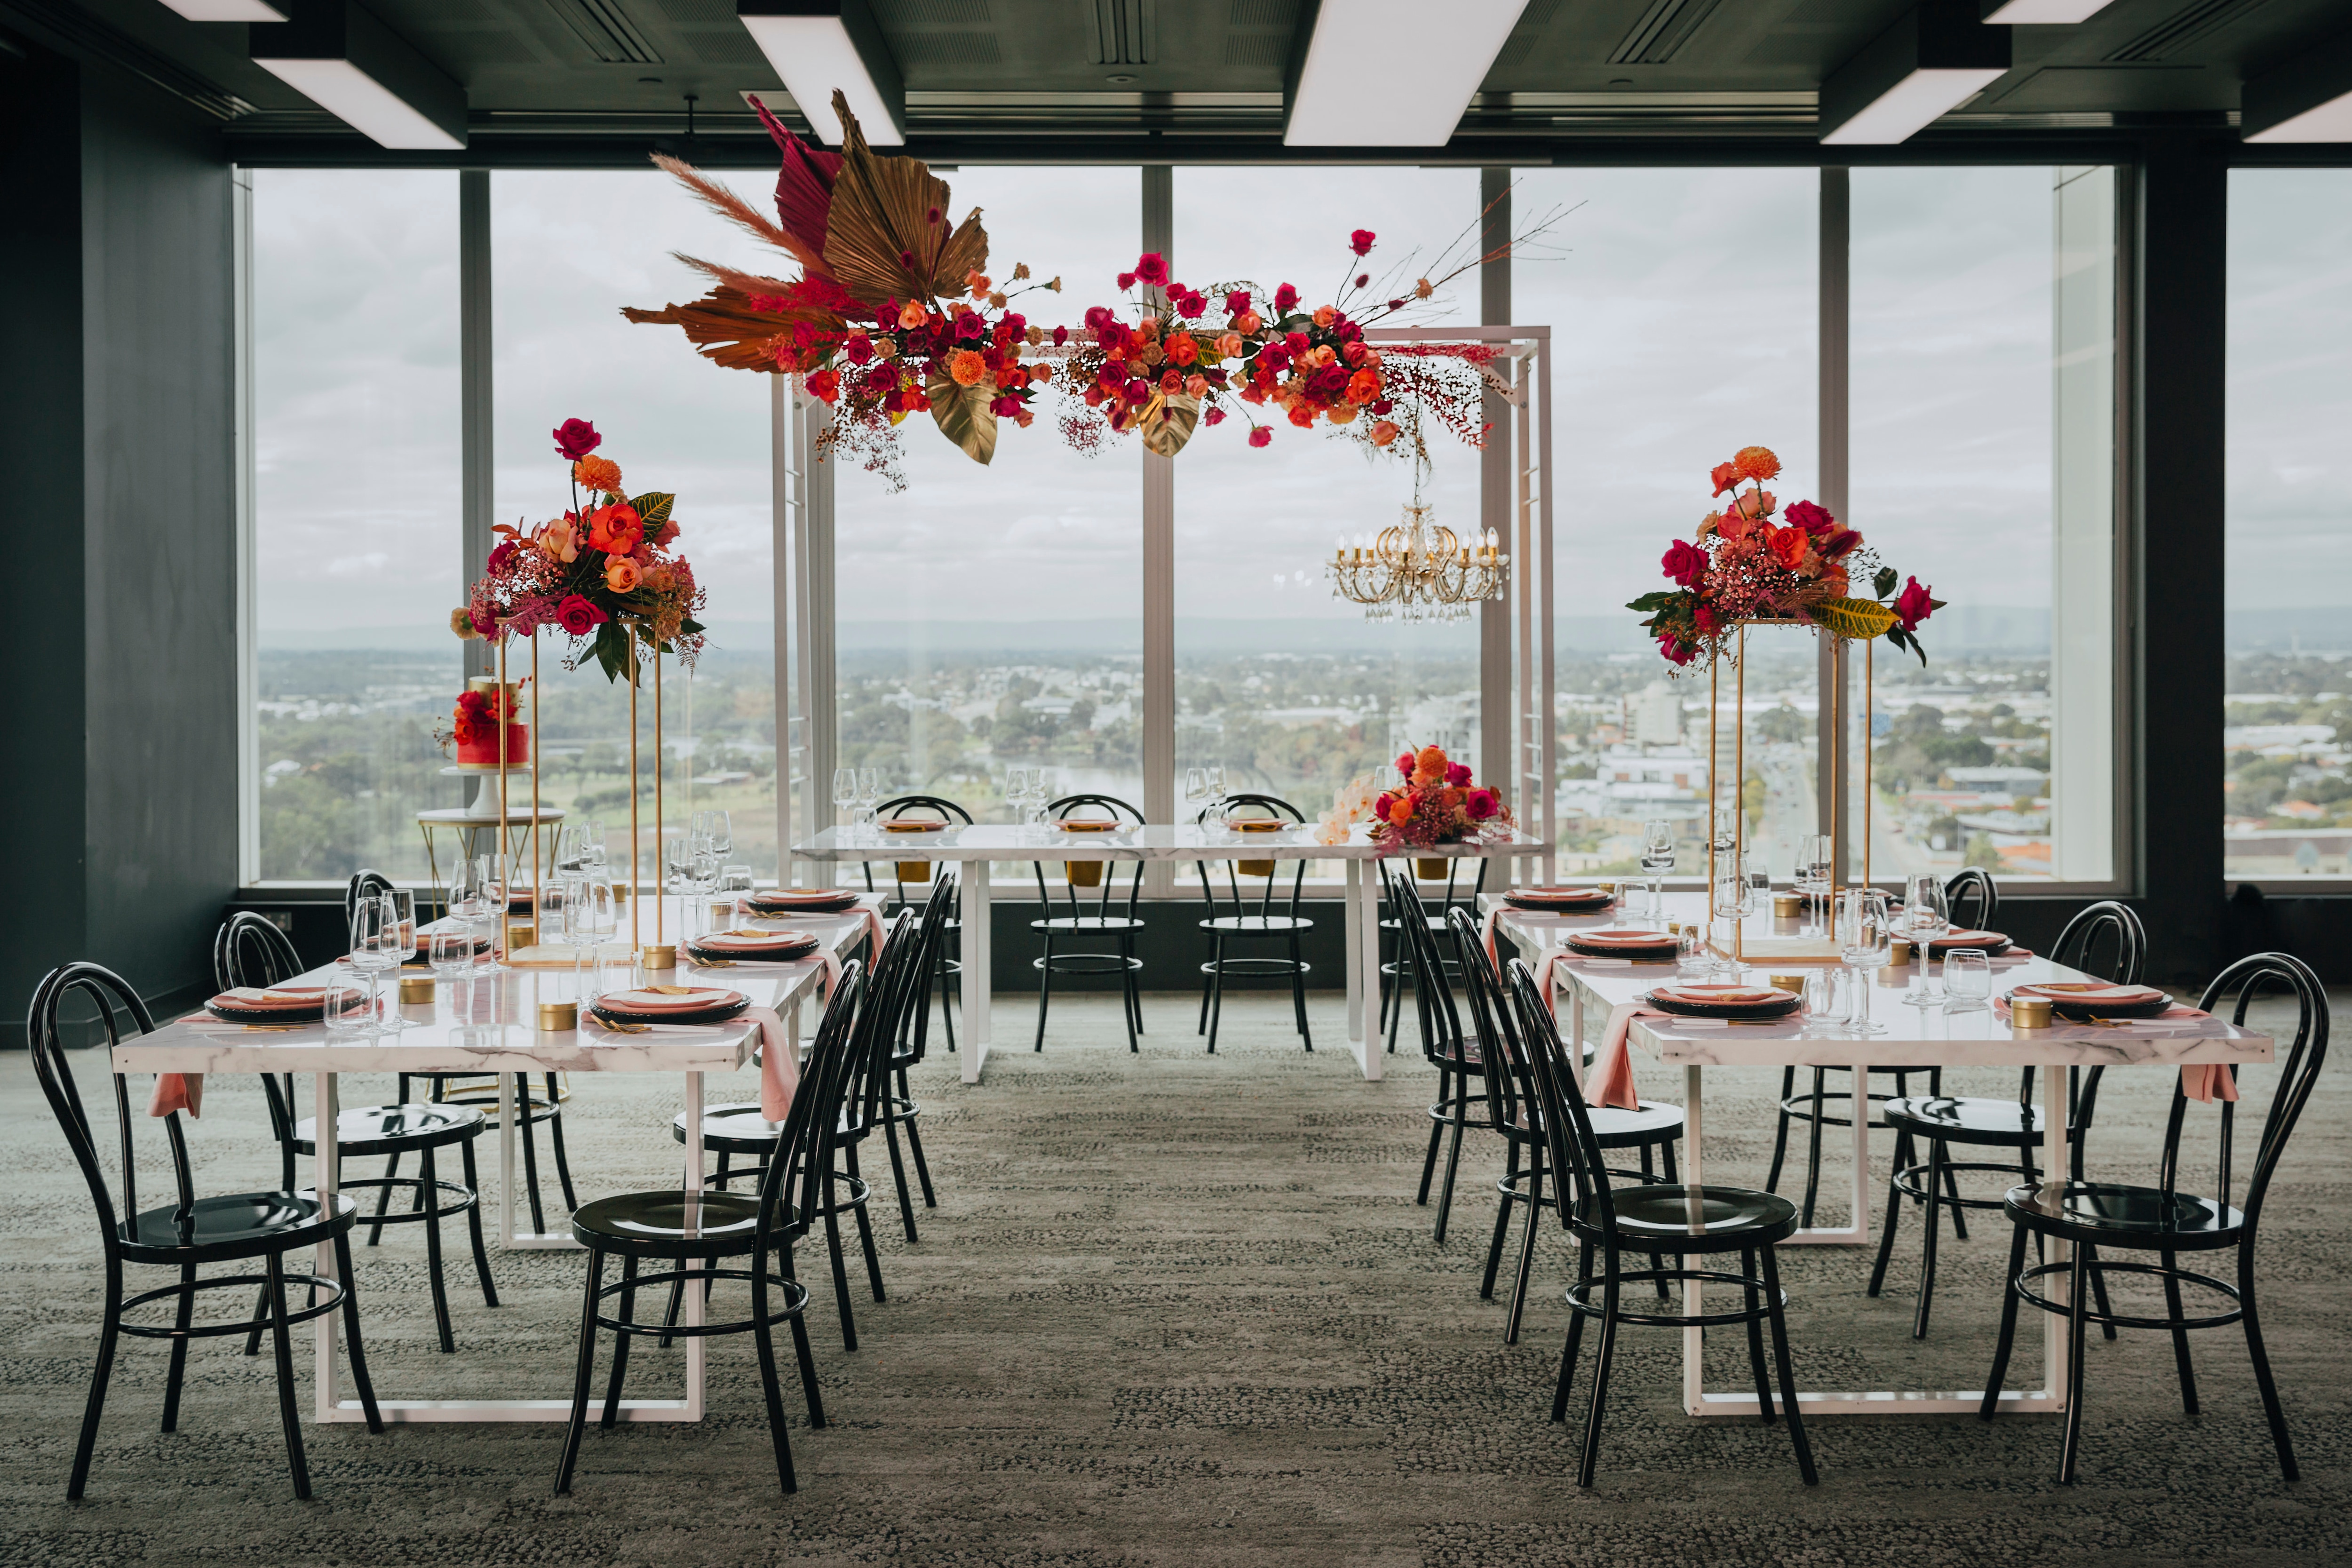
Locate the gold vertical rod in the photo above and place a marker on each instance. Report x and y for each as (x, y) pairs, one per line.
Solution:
(661, 869)
(634, 900)
(1714, 702)
(504, 857)
(1869, 717)
(534, 767)
(1740, 789)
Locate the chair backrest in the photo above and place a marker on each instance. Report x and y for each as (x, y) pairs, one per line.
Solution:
(1579, 1176)
(1510, 1097)
(1262, 807)
(915, 1018)
(1442, 1034)
(364, 884)
(918, 807)
(2108, 924)
(1120, 812)
(792, 1183)
(1460, 893)
(114, 999)
(249, 951)
(2298, 1071)
(1972, 886)
(895, 975)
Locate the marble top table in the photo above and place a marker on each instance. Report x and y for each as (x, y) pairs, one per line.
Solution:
(981, 844)
(1914, 1036)
(488, 1024)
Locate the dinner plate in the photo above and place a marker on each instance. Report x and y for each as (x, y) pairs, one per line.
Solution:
(2096, 999)
(298, 1008)
(1087, 825)
(1622, 944)
(633, 1007)
(912, 824)
(1575, 898)
(1725, 1001)
(811, 902)
(1985, 941)
(774, 947)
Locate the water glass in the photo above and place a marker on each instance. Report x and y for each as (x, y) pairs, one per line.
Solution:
(1825, 1002)
(1813, 876)
(1968, 980)
(1657, 859)
(1866, 940)
(452, 952)
(350, 1007)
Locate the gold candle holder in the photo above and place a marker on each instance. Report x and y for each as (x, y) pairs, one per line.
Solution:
(1083, 873)
(2028, 1013)
(1430, 869)
(1786, 906)
(1898, 954)
(658, 955)
(1787, 982)
(415, 988)
(555, 1018)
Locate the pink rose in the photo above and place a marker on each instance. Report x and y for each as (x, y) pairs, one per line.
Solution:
(1481, 802)
(1380, 806)
(1404, 764)
(1151, 267)
(1684, 563)
(575, 438)
(1261, 436)
(1237, 301)
(1285, 300)
(1458, 774)
(1913, 604)
(1812, 518)
(578, 616)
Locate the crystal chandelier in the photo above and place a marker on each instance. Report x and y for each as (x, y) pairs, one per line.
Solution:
(1417, 570)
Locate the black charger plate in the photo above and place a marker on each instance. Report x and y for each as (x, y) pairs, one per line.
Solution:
(718, 1015)
(1778, 1008)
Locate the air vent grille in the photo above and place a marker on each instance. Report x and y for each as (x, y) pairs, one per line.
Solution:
(1126, 32)
(607, 31)
(1662, 29)
(947, 50)
(2184, 27)
(1245, 13)
(898, 13)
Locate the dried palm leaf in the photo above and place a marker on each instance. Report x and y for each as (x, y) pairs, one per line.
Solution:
(803, 182)
(741, 213)
(723, 328)
(743, 282)
(887, 233)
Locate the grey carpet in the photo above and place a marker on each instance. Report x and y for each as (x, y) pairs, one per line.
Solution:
(1171, 1310)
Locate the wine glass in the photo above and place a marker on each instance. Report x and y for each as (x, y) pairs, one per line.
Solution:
(845, 789)
(375, 944)
(1865, 939)
(1967, 979)
(596, 916)
(869, 793)
(722, 830)
(1657, 859)
(702, 879)
(597, 859)
(1812, 876)
(496, 892)
(1924, 919)
(1733, 898)
(1217, 792)
(1196, 793)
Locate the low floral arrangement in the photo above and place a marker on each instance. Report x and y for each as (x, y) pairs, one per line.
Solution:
(893, 313)
(1746, 567)
(604, 568)
(1436, 804)
(1192, 357)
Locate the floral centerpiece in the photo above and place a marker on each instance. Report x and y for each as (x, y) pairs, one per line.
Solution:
(606, 567)
(1436, 803)
(893, 313)
(1747, 567)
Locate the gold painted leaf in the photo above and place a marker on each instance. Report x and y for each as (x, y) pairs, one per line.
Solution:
(1853, 620)
(1164, 437)
(963, 416)
(887, 235)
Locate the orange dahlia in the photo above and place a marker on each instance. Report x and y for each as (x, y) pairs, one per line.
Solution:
(1756, 463)
(599, 474)
(966, 367)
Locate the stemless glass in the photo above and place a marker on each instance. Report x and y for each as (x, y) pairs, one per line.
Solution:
(1968, 980)
(452, 952)
(1657, 859)
(1734, 900)
(1865, 939)
(735, 885)
(349, 1010)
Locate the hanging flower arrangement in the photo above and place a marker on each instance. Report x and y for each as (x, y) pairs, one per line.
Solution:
(893, 314)
(606, 567)
(1747, 567)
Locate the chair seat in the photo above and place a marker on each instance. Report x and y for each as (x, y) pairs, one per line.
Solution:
(2001, 1123)
(1613, 1127)
(1274, 925)
(1436, 924)
(1086, 922)
(1658, 1218)
(392, 1129)
(234, 1225)
(1467, 1056)
(2112, 1214)
(656, 1224)
(732, 1129)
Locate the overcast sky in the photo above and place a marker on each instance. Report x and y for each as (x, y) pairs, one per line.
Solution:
(1682, 303)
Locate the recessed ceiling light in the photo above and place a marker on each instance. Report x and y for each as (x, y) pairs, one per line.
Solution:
(342, 58)
(1936, 57)
(649, 81)
(1119, 81)
(1373, 40)
(2046, 13)
(824, 47)
(230, 10)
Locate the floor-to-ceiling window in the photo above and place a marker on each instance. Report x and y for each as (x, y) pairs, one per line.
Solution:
(2286, 562)
(356, 460)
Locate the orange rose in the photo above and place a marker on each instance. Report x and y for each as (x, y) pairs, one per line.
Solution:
(1247, 322)
(599, 474)
(966, 367)
(1756, 463)
(1383, 432)
(616, 530)
(1325, 315)
(1788, 545)
(560, 539)
(1363, 386)
(911, 314)
(979, 283)
(1196, 386)
(621, 574)
(1401, 810)
(1302, 415)
(1182, 349)
(1229, 345)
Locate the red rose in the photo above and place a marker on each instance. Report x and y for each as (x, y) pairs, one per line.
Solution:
(1685, 563)
(1676, 652)
(1404, 764)
(1214, 415)
(578, 616)
(575, 438)
(1125, 281)
(1285, 300)
(1261, 436)
(1913, 604)
(1481, 804)
(1360, 242)
(1838, 543)
(1812, 518)
(824, 385)
(1237, 301)
(1458, 775)
(1151, 267)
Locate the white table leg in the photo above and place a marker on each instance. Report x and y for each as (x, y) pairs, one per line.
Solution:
(322, 1181)
(1694, 1177)
(694, 1306)
(1354, 922)
(2060, 1286)
(972, 1044)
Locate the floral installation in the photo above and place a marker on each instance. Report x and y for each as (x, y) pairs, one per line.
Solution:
(1747, 567)
(1351, 805)
(894, 312)
(604, 567)
(1190, 357)
(1436, 803)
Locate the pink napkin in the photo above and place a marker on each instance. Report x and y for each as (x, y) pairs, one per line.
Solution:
(873, 935)
(186, 1091)
(1612, 1080)
(1493, 916)
(780, 1071)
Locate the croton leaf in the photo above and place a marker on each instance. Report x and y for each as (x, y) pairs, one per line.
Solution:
(654, 508)
(1853, 620)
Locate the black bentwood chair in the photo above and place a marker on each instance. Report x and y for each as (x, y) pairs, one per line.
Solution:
(1397, 972)
(894, 983)
(1683, 1221)
(698, 1231)
(1230, 922)
(1514, 1107)
(948, 966)
(249, 951)
(1971, 890)
(2109, 1215)
(2011, 1124)
(890, 1101)
(187, 1233)
(1459, 1057)
(1122, 929)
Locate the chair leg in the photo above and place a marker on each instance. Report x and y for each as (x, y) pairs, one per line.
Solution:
(2272, 1410)
(1780, 1139)
(1658, 1259)
(1756, 1335)
(529, 1150)
(801, 1344)
(2078, 1305)
(1396, 989)
(1298, 992)
(2099, 1293)
(1208, 976)
(428, 1189)
(1952, 1206)
(1787, 1374)
(180, 1320)
(555, 1142)
(1436, 1132)
(260, 1318)
(1502, 1220)
(915, 1148)
(1567, 1379)
(1453, 1160)
(621, 1342)
(840, 1267)
(1603, 1353)
(1045, 991)
(2180, 1336)
(762, 1335)
(284, 1343)
(1526, 1253)
(582, 1371)
(1216, 989)
(473, 1225)
(1929, 1224)
(865, 1225)
(2008, 1326)
(1130, 1000)
(108, 1337)
(947, 1009)
(361, 1383)
(384, 1198)
(898, 1174)
(1894, 1211)
(1813, 1148)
